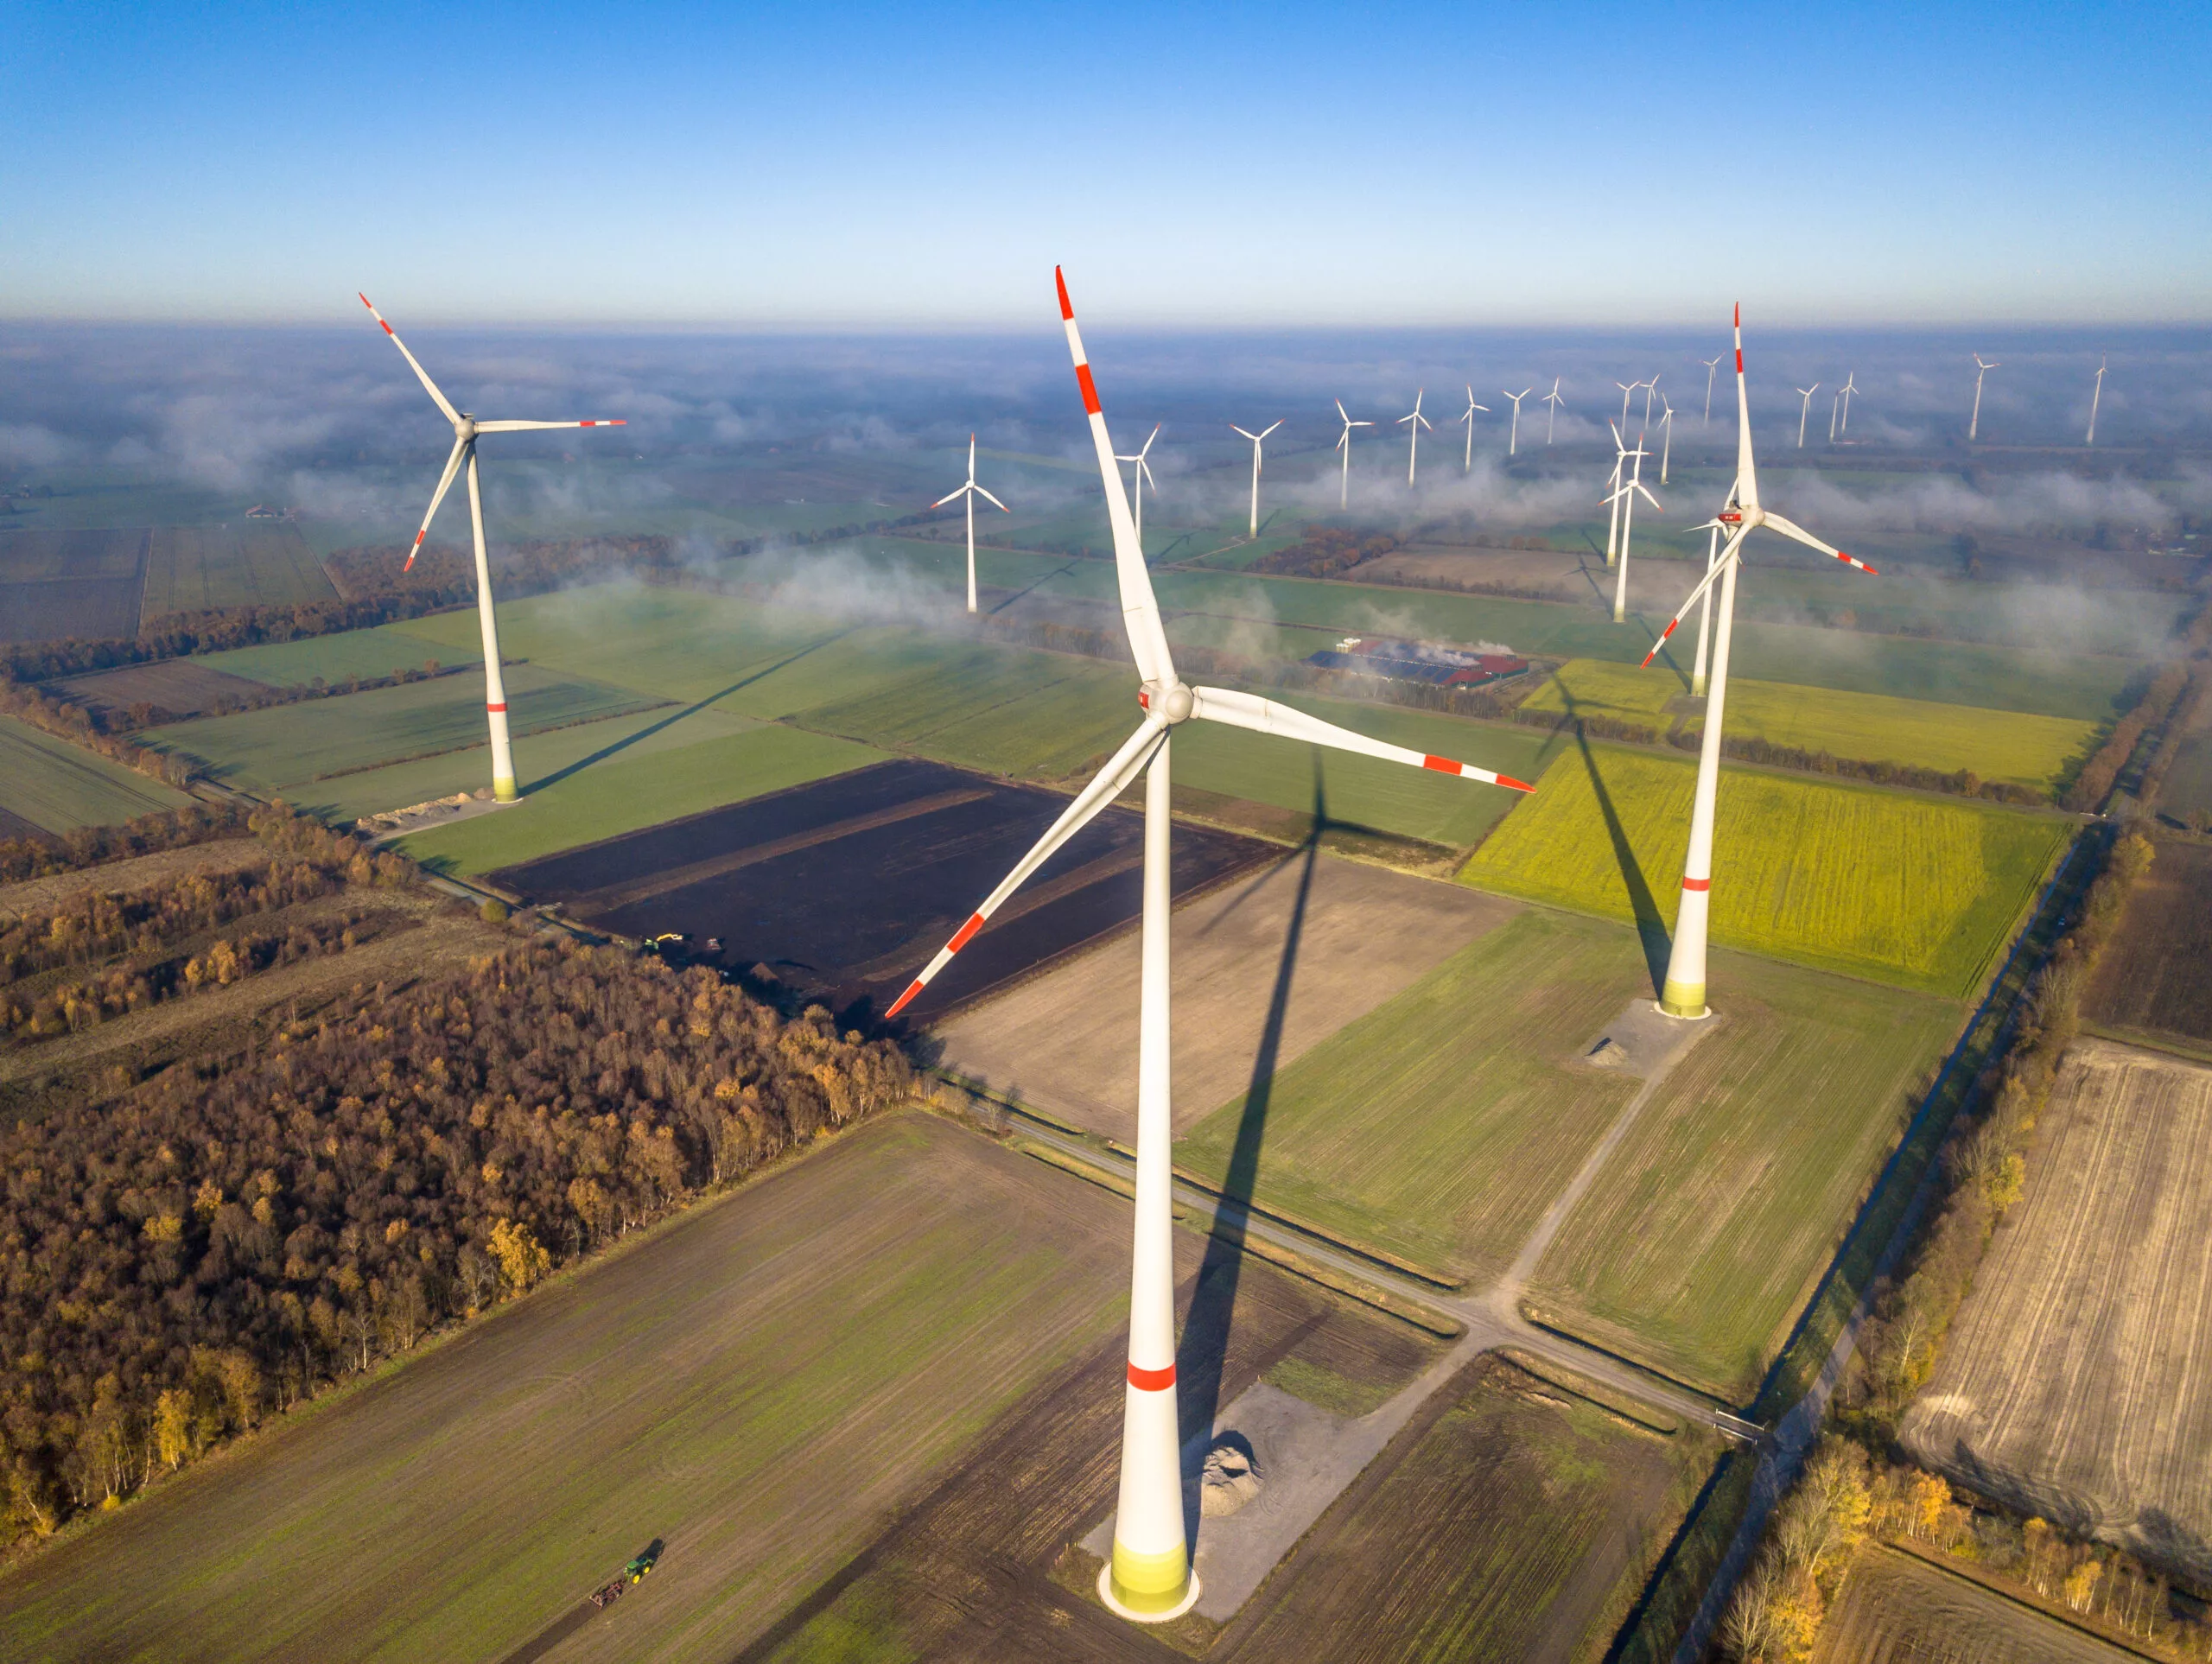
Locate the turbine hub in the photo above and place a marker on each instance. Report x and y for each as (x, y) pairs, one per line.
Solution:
(1173, 704)
(466, 428)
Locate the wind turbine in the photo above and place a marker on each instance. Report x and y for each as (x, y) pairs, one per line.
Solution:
(1150, 1578)
(1418, 421)
(1343, 444)
(1513, 435)
(466, 430)
(1850, 387)
(1612, 498)
(1667, 436)
(1649, 388)
(2098, 392)
(1627, 391)
(1553, 399)
(971, 490)
(1711, 364)
(1140, 473)
(1835, 405)
(1469, 418)
(1805, 393)
(1255, 439)
(1973, 426)
(1626, 491)
(1683, 992)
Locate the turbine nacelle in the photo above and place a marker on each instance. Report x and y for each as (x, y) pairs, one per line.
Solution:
(1169, 705)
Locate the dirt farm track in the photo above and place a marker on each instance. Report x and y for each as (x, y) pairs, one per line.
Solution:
(2077, 1381)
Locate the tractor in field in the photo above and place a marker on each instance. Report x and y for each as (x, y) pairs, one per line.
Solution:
(635, 1571)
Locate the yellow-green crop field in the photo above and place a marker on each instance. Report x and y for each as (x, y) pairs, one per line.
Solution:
(1918, 892)
(2018, 747)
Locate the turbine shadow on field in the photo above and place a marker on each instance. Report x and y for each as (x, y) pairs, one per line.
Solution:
(669, 720)
(1204, 1350)
(1650, 928)
(1034, 584)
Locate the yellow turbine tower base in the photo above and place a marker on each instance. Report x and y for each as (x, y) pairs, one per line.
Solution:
(1148, 1588)
(504, 792)
(1683, 1000)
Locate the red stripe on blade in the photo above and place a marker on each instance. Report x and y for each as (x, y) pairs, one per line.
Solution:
(1518, 785)
(1442, 765)
(1067, 307)
(966, 932)
(1089, 388)
(1152, 1380)
(419, 536)
(1697, 884)
(901, 1002)
(501, 708)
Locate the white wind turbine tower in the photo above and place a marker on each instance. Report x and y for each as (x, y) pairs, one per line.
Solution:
(1139, 474)
(1627, 391)
(1806, 394)
(466, 430)
(1666, 436)
(971, 490)
(1612, 498)
(1343, 444)
(1711, 364)
(1649, 388)
(1418, 422)
(1850, 387)
(1626, 491)
(1513, 435)
(1553, 399)
(1683, 994)
(1150, 1578)
(1836, 406)
(1255, 439)
(1469, 418)
(2096, 393)
(1973, 426)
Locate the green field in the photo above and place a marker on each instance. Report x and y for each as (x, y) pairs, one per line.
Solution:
(624, 792)
(2015, 747)
(57, 786)
(241, 563)
(757, 1384)
(384, 650)
(1919, 891)
(1439, 1126)
(1698, 1245)
(289, 746)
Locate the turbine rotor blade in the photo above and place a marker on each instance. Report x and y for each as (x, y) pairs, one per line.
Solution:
(534, 427)
(421, 374)
(1106, 785)
(1791, 529)
(1730, 551)
(957, 492)
(987, 498)
(445, 484)
(1243, 710)
(1140, 611)
(1272, 427)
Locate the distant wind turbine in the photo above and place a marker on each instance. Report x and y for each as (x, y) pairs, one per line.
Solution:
(1627, 491)
(2096, 394)
(1850, 387)
(1806, 394)
(1513, 435)
(1553, 399)
(1255, 439)
(1627, 391)
(1667, 436)
(971, 490)
(1613, 500)
(1835, 405)
(1343, 444)
(1469, 418)
(1139, 475)
(1711, 364)
(1973, 426)
(1649, 388)
(466, 430)
(1418, 421)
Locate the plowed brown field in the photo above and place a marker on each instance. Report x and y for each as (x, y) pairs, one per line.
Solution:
(2156, 979)
(1897, 1610)
(2077, 1381)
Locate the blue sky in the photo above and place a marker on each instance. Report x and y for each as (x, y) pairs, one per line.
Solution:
(1218, 165)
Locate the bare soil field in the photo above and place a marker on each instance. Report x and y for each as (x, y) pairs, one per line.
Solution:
(847, 885)
(86, 584)
(2156, 978)
(1897, 1609)
(182, 687)
(981, 1567)
(2077, 1381)
(758, 1384)
(1554, 573)
(242, 563)
(1263, 969)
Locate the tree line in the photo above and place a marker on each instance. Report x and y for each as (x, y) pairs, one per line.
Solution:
(92, 846)
(237, 1233)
